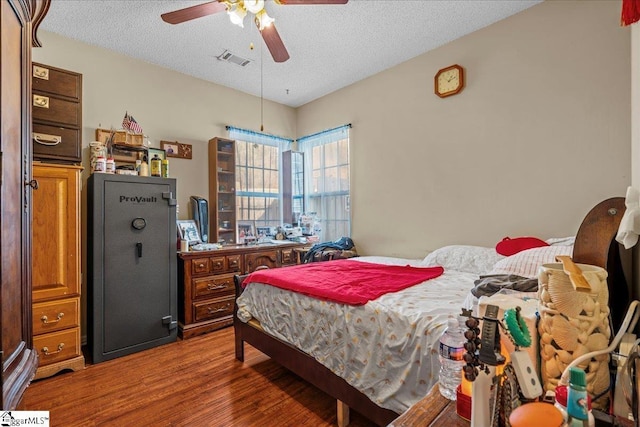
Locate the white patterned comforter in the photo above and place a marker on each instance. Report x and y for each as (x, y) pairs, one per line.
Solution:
(388, 348)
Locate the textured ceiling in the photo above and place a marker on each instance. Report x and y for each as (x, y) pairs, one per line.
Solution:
(331, 46)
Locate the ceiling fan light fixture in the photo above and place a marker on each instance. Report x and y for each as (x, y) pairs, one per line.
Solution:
(237, 10)
(254, 6)
(263, 20)
(236, 13)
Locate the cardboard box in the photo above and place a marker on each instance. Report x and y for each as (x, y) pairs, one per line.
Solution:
(120, 137)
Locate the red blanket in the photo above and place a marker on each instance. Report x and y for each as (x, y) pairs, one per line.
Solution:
(344, 281)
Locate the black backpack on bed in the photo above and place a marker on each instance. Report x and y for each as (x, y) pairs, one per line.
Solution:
(317, 250)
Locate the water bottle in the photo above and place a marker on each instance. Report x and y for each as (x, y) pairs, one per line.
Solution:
(451, 362)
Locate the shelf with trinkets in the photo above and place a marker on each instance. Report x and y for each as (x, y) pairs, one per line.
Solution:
(131, 153)
(125, 146)
(510, 379)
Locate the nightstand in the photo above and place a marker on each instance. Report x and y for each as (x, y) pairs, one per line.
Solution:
(432, 410)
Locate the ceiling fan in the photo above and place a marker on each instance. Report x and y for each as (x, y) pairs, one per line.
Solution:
(237, 10)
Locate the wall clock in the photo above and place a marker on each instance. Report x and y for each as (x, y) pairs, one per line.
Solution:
(449, 81)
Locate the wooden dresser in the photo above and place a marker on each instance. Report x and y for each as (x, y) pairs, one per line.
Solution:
(205, 282)
(56, 268)
(57, 114)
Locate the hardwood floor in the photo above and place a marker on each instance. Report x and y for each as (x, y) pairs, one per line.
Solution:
(197, 382)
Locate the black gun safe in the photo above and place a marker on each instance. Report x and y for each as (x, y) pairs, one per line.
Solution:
(131, 263)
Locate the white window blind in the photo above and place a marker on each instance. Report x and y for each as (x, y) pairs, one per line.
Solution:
(258, 177)
(328, 183)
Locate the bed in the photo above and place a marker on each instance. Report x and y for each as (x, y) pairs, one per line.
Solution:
(381, 357)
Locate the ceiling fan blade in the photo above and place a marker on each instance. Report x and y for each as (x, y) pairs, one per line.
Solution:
(312, 1)
(274, 43)
(193, 12)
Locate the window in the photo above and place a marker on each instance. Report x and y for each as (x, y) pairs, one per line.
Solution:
(327, 191)
(258, 181)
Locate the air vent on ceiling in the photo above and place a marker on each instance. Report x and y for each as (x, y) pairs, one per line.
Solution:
(235, 59)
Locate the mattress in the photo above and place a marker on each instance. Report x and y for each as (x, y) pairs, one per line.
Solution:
(387, 348)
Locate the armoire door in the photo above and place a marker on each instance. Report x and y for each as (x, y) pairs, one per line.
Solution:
(19, 20)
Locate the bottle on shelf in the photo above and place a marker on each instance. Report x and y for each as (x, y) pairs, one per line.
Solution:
(144, 167)
(110, 165)
(156, 166)
(577, 399)
(561, 403)
(165, 168)
(451, 361)
(100, 165)
(138, 163)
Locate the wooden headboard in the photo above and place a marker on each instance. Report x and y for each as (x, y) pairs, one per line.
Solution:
(596, 245)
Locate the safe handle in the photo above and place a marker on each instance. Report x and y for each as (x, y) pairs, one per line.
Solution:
(139, 249)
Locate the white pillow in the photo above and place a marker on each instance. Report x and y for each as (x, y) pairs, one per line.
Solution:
(527, 262)
(561, 241)
(470, 259)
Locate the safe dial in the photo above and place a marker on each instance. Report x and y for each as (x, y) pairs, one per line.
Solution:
(139, 223)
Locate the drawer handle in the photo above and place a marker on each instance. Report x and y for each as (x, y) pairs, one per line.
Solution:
(40, 72)
(214, 287)
(218, 264)
(40, 101)
(46, 352)
(201, 265)
(46, 139)
(46, 321)
(218, 310)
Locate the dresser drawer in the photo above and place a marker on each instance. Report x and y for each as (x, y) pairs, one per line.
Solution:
(260, 259)
(199, 265)
(55, 315)
(52, 109)
(224, 264)
(56, 81)
(216, 264)
(213, 286)
(55, 142)
(212, 309)
(56, 346)
(233, 263)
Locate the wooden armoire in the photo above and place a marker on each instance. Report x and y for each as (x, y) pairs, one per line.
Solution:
(19, 20)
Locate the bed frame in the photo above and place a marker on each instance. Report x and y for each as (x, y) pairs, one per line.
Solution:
(594, 245)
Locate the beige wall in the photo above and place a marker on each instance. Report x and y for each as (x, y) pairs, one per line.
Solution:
(168, 105)
(635, 105)
(635, 136)
(540, 134)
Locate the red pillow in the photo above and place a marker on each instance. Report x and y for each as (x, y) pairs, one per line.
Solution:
(509, 246)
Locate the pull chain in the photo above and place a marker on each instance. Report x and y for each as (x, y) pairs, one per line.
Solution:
(261, 86)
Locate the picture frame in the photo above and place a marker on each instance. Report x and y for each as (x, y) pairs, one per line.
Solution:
(177, 149)
(263, 232)
(188, 230)
(248, 228)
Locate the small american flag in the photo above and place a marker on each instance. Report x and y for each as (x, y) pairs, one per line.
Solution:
(129, 123)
